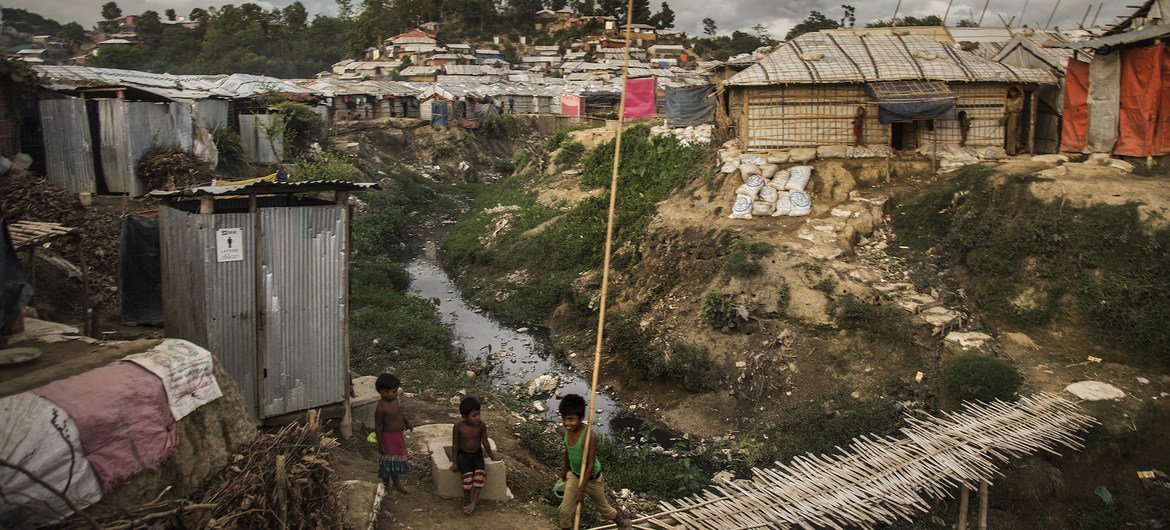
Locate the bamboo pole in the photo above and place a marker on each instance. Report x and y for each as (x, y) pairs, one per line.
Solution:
(889, 152)
(964, 501)
(1035, 107)
(983, 505)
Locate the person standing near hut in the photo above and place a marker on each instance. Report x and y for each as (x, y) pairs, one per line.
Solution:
(964, 127)
(1013, 105)
(858, 120)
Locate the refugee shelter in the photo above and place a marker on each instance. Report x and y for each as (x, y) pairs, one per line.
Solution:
(1119, 102)
(259, 274)
(1035, 49)
(807, 92)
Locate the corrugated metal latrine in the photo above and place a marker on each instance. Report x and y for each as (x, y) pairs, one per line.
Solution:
(68, 145)
(129, 129)
(211, 113)
(305, 304)
(300, 361)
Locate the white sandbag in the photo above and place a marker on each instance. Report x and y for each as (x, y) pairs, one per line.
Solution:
(742, 208)
(729, 167)
(728, 155)
(769, 170)
(779, 180)
(801, 204)
(798, 178)
(747, 170)
(783, 204)
(762, 208)
(767, 194)
(751, 186)
(758, 160)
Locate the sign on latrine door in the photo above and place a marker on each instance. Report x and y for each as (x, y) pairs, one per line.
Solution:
(229, 244)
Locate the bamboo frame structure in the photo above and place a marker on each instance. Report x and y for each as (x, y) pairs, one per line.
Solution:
(880, 479)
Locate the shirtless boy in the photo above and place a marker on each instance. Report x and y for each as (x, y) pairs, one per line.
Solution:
(389, 423)
(469, 441)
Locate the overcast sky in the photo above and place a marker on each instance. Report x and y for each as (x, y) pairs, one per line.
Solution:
(777, 16)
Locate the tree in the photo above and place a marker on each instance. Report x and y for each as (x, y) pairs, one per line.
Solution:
(72, 33)
(931, 20)
(123, 56)
(171, 16)
(613, 8)
(295, 16)
(555, 5)
(197, 15)
(709, 26)
(150, 29)
(849, 18)
(641, 12)
(110, 10)
(584, 7)
(816, 21)
(664, 19)
(968, 23)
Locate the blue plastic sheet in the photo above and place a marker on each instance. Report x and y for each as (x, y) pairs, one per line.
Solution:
(907, 101)
(439, 114)
(686, 106)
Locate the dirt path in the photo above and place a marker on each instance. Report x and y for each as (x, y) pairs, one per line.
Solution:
(423, 508)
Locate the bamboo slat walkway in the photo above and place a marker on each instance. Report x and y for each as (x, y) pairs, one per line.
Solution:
(881, 479)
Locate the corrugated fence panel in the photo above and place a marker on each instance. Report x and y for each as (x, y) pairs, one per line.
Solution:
(255, 139)
(211, 113)
(117, 164)
(231, 304)
(207, 302)
(68, 145)
(181, 248)
(304, 265)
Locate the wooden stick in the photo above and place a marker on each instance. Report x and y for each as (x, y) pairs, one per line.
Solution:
(983, 505)
(964, 500)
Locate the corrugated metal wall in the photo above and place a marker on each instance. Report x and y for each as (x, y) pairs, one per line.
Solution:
(255, 138)
(68, 145)
(304, 268)
(211, 113)
(210, 303)
(131, 128)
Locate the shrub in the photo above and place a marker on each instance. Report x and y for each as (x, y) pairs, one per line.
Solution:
(324, 165)
(693, 367)
(783, 297)
(233, 160)
(716, 309)
(299, 127)
(570, 153)
(624, 337)
(885, 323)
(973, 376)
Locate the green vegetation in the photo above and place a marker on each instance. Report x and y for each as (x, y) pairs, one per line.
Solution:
(298, 126)
(972, 376)
(817, 427)
(568, 242)
(1028, 260)
(884, 323)
(233, 160)
(501, 127)
(744, 259)
(690, 365)
(783, 297)
(323, 165)
(716, 308)
(570, 153)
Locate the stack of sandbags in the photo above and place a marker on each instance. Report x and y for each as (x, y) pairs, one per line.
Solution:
(769, 190)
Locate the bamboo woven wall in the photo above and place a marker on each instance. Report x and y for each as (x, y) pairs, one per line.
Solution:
(805, 116)
(785, 116)
(984, 105)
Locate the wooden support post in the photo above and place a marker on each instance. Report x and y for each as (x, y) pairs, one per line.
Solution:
(207, 205)
(341, 198)
(1032, 122)
(89, 327)
(934, 150)
(983, 505)
(964, 501)
(260, 317)
(743, 126)
(890, 151)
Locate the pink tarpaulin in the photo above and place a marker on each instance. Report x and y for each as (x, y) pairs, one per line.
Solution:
(570, 105)
(640, 98)
(123, 418)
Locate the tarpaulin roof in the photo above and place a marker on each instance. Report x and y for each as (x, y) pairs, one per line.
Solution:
(906, 101)
(835, 58)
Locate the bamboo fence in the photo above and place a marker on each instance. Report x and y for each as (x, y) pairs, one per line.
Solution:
(880, 479)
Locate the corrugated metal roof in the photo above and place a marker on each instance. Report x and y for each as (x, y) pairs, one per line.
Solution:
(1040, 45)
(827, 58)
(170, 86)
(1131, 37)
(266, 188)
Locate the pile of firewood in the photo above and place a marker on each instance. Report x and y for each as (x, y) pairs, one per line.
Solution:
(170, 168)
(283, 480)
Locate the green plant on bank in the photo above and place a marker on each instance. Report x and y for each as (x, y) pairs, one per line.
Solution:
(323, 165)
(744, 259)
(691, 366)
(570, 153)
(297, 126)
(783, 297)
(717, 310)
(819, 426)
(972, 376)
(827, 285)
(233, 160)
(501, 127)
(1028, 260)
(883, 322)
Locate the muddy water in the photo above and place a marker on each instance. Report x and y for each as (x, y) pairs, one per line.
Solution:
(518, 356)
